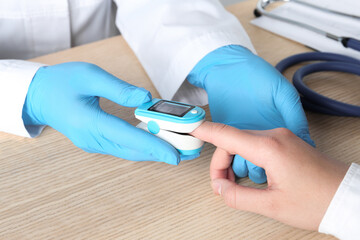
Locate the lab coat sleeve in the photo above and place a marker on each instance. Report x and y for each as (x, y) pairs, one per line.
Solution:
(342, 218)
(170, 37)
(15, 78)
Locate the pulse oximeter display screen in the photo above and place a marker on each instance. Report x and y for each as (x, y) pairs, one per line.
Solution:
(171, 108)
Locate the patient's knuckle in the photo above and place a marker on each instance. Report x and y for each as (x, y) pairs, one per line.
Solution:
(270, 142)
(269, 146)
(284, 132)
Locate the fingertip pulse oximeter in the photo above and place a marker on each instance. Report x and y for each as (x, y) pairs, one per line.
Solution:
(171, 121)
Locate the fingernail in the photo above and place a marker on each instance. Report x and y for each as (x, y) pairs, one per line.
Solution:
(138, 96)
(216, 186)
(145, 94)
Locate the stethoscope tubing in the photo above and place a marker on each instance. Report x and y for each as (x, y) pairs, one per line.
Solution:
(353, 43)
(312, 100)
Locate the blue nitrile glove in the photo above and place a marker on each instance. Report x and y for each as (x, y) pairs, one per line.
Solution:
(66, 97)
(246, 92)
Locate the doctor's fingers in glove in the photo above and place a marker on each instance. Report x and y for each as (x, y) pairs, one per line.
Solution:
(66, 97)
(282, 109)
(119, 138)
(251, 94)
(248, 93)
(301, 180)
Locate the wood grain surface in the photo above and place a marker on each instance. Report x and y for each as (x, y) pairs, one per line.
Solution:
(50, 189)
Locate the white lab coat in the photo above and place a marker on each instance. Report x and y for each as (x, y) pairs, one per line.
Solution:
(169, 37)
(342, 218)
(179, 34)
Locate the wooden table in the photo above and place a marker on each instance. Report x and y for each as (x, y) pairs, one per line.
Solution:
(49, 189)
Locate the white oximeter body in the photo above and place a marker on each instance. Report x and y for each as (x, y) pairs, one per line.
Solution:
(171, 121)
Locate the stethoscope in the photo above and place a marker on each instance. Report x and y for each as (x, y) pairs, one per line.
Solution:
(310, 99)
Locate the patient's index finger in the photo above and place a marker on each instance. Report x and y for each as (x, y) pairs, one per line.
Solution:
(231, 139)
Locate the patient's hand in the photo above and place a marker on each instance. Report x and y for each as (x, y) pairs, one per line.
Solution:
(301, 180)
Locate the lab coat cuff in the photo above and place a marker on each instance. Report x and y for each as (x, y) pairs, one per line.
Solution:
(342, 218)
(15, 79)
(186, 59)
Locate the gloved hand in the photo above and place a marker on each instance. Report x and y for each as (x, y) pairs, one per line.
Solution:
(246, 92)
(66, 97)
